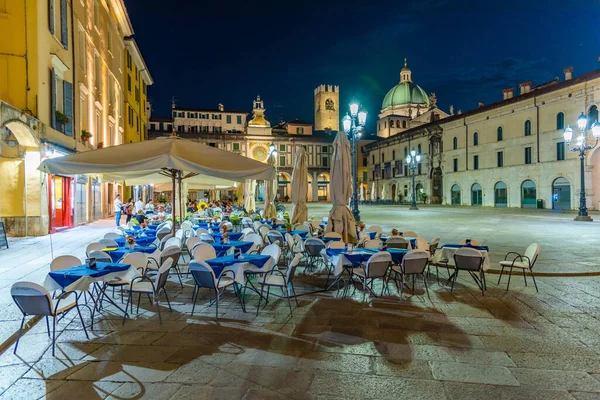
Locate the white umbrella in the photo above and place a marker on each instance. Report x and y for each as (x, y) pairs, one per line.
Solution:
(362, 192)
(250, 193)
(270, 189)
(299, 187)
(155, 161)
(340, 217)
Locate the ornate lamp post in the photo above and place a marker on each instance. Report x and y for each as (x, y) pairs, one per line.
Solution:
(353, 124)
(582, 147)
(412, 160)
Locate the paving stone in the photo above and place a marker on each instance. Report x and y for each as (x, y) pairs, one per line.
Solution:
(555, 379)
(473, 373)
(146, 354)
(30, 389)
(136, 390)
(118, 372)
(471, 391)
(83, 390)
(571, 362)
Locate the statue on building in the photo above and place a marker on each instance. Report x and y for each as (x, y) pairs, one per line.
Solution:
(451, 109)
(433, 100)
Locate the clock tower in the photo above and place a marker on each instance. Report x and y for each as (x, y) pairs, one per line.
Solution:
(327, 108)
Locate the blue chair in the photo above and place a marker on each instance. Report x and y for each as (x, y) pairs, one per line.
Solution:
(204, 277)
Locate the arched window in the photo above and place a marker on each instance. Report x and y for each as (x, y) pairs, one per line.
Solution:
(404, 124)
(398, 124)
(476, 139)
(500, 195)
(476, 195)
(455, 195)
(527, 128)
(419, 149)
(384, 124)
(560, 120)
(528, 194)
(391, 123)
(455, 143)
(499, 133)
(592, 116)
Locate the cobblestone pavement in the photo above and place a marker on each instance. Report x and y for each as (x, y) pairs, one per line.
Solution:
(461, 345)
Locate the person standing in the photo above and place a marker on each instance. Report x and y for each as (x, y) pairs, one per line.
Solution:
(118, 208)
(129, 209)
(139, 205)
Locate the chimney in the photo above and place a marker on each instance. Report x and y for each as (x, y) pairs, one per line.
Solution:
(568, 73)
(525, 87)
(508, 93)
(221, 108)
(481, 104)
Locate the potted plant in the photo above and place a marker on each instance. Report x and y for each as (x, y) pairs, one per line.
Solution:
(85, 136)
(288, 227)
(131, 242)
(61, 119)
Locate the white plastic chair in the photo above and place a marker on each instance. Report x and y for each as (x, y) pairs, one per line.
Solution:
(284, 281)
(192, 242)
(413, 263)
(397, 242)
(422, 244)
(206, 238)
(275, 237)
(470, 260)
(174, 241)
(33, 299)
(336, 245)
(112, 236)
(410, 234)
(64, 262)
(263, 230)
(100, 256)
(108, 243)
(363, 237)
(376, 267)
(203, 252)
(247, 231)
(377, 229)
(204, 277)
(144, 285)
(313, 248)
(257, 240)
(94, 246)
(200, 231)
(272, 250)
(373, 244)
(523, 262)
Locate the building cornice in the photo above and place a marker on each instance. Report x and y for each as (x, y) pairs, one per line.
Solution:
(131, 45)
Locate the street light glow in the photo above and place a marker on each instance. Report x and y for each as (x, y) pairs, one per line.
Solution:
(362, 117)
(568, 134)
(347, 123)
(582, 121)
(353, 109)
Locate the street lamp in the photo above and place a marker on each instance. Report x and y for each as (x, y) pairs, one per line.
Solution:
(412, 161)
(353, 124)
(582, 147)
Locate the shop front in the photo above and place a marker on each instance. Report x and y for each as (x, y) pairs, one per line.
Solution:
(61, 200)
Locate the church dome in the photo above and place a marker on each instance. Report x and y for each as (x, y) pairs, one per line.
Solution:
(406, 92)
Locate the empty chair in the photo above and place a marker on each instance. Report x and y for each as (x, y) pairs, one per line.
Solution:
(363, 237)
(376, 267)
(333, 235)
(204, 277)
(377, 229)
(163, 241)
(122, 231)
(523, 262)
(206, 238)
(173, 253)
(112, 236)
(108, 243)
(373, 244)
(257, 240)
(179, 234)
(275, 237)
(313, 248)
(413, 263)
(64, 262)
(422, 244)
(200, 231)
(203, 252)
(94, 246)
(472, 242)
(397, 242)
(263, 230)
(433, 245)
(316, 225)
(272, 250)
(191, 243)
(470, 260)
(137, 260)
(336, 245)
(298, 244)
(33, 299)
(228, 225)
(162, 232)
(257, 225)
(144, 285)
(174, 241)
(282, 280)
(410, 234)
(186, 227)
(289, 245)
(247, 231)
(247, 223)
(100, 256)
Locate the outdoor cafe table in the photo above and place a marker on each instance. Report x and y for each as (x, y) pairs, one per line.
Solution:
(117, 254)
(371, 234)
(245, 263)
(142, 241)
(206, 225)
(222, 249)
(330, 239)
(232, 236)
(446, 252)
(341, 258)
(148, 234)
(411, 240)
(302, 234)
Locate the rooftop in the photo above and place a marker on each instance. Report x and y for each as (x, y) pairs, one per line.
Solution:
(212, 110)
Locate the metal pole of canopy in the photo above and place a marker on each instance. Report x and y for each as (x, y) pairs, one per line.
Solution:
(180, 197)
(173, 211)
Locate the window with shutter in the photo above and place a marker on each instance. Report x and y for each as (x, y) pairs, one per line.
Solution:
(51, 16)
(68, 106)
(52, 98)
(64, 24)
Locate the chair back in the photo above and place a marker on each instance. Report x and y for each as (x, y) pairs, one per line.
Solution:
(275, 237)
(435, 240)
(289, 241)
(247, 231)
(162, 232)
(256, 239)
(229, 226)
(94, 246)
(316, 225)
(257, 225)
(333, 235)
(414, 262)
(247, 223)
(163, 241)
(378, 264)
(532, 253)
(473, 242)
(397, 242)
(121, 231)
(100, 256)
(263, 230)
(291, 271)
(377, 229)
(172, 252)
(191, 242)
(163, 274)
(108, 243)
(64, 262)
(186, 227)
(433, 248)
(112, 236)
(301, 227)
(422, 244)
(410, 234)
(179, 234)
(468, 259)
(31, 298)
(203, 251)
(373, 244)
(314, 246)
(203, 274)
(206, 238)
(336, 244)
(200, 231)
(272, 250)
(174, 241)
(137, 260)
(298, 244)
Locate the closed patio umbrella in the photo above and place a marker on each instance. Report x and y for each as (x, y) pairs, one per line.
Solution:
(249, 195)
(340, 217)
(270, 189)
(299, 187)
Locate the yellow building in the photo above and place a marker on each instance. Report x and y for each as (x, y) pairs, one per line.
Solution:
(137, 79)
(36, 113)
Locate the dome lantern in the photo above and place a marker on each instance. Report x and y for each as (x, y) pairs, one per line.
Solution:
(405, 73)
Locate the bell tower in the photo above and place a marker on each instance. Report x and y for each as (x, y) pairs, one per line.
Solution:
(327, 108)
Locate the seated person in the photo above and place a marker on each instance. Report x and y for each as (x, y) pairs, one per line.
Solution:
(150, 205)
(161, 212)
(140, 217)
(228, 209)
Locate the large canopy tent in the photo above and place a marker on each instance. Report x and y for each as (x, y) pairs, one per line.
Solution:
(157, 161)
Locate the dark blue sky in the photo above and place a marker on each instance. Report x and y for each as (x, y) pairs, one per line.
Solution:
(209, 52)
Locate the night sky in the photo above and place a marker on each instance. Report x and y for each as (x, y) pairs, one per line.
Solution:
(209, 52)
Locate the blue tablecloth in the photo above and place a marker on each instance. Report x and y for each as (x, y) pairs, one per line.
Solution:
(371, 234)
(218, 264)
(116, 255)
(150, 234)
(458, 246)
(222, 249)
(412, 240)
(232, 236)
(142, 241)
(360, 256)
(330, 239)
(205, 225)
(65, 277)
(397, 254)
(302, 234)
